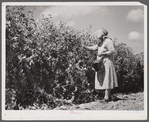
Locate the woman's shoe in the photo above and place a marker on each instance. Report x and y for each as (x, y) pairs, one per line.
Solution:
(105, 101)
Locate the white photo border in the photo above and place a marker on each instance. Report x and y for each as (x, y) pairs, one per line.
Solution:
(65, 114)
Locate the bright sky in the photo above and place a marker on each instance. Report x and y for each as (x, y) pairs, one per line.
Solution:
(123, 22)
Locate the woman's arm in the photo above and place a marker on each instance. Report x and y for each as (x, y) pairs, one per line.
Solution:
(108, 52)
(95, 47)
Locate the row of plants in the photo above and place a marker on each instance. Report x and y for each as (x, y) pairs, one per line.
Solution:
(44, 62)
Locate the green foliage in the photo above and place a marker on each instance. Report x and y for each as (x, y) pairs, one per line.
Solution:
(42, 61)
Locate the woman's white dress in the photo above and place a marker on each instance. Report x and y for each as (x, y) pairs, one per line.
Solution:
(106, 79)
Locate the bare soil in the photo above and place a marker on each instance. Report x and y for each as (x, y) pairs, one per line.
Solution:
(132, 101)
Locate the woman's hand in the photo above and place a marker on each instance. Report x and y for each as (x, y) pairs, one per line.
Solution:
(83, 46)
(86, 47)
(101, 54)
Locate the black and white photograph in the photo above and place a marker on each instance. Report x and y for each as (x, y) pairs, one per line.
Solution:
(74, 61)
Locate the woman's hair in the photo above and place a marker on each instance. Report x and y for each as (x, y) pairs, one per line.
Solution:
(104, 31)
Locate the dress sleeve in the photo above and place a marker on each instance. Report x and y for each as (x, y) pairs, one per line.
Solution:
(95, 47)
(109, 46)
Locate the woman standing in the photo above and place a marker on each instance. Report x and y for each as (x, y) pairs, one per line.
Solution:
(107, 79)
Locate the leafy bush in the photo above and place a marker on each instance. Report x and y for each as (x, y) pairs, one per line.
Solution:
(43, 61)
(129, 69)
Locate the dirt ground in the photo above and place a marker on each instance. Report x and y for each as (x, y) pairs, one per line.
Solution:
(133, 101)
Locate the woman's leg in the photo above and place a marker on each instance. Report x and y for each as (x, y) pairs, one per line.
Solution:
(107, 94)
